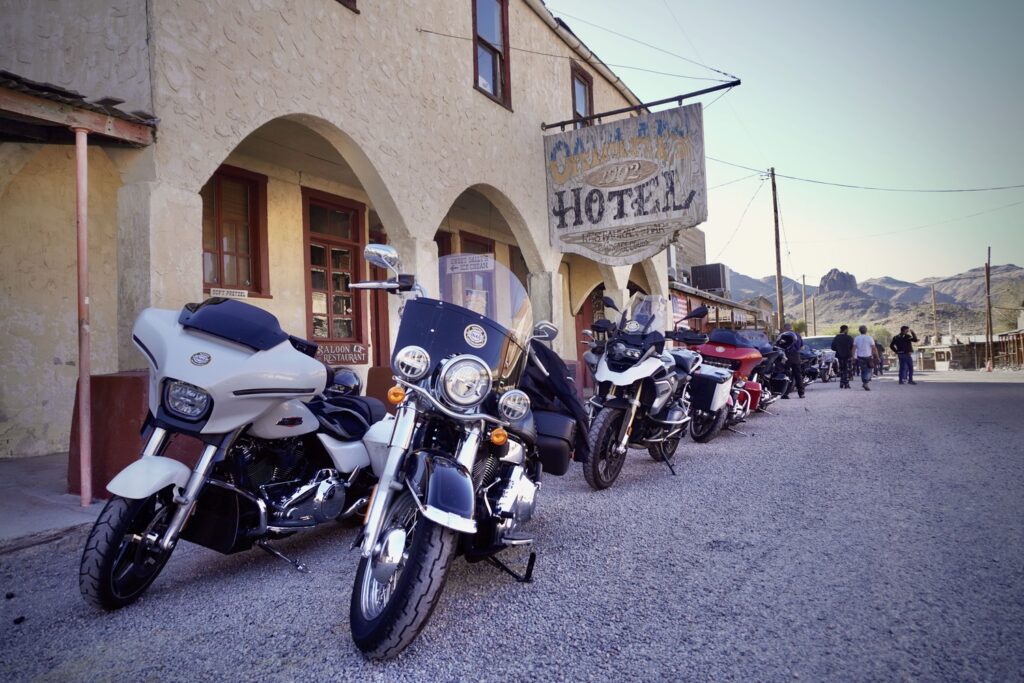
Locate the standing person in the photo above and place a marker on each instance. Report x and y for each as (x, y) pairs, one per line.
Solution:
(902, 346)
(880, 365)
(791, 342)
(867, 354)
(843, 346)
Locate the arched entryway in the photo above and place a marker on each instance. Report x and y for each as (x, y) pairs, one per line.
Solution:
(285, 218)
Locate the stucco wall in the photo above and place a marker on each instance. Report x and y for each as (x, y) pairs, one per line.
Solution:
(398, 102)
(38, 295)
(95, 47)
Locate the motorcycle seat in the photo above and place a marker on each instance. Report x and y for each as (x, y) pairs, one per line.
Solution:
(347, 417)
(773, 355)
(685, 359)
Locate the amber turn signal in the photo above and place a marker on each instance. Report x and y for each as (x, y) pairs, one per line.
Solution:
(396, 395)
(499, 437)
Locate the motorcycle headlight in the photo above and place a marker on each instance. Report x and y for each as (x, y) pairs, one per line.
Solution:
(185, 400)
(465, 381)
(514, 405)
(411, 363)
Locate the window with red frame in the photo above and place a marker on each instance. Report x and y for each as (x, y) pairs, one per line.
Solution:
(333, 228)
(235, 231)
(491, 50)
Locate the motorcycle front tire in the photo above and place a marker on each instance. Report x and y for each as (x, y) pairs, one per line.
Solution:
(117, 567)
(416, 594)
(604, 465)
(704, 429)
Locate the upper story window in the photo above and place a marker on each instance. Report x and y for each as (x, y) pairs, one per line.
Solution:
(235, 231)
(582, 94)
(490, 43)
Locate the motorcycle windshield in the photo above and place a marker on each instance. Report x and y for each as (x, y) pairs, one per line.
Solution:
(645, 313)
(482, 309)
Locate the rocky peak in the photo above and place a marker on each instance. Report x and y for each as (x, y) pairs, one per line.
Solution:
(836, 280)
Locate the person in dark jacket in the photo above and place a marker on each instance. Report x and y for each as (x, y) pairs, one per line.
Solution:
(791, 343)
(902, 346)
(843, 346)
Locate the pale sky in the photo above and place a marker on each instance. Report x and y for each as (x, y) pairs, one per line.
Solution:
(898, 94)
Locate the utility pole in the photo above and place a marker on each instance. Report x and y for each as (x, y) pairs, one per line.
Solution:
(988, 312)
(778, 253)
(803, 279)
(814, 318)
(935, 318)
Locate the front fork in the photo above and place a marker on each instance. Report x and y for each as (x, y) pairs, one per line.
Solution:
(401, 439)
(627, 424)
(186, 500)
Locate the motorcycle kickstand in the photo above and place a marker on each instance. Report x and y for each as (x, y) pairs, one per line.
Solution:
(670, 468)
(262, 543)
(526, 577)
(732, 429)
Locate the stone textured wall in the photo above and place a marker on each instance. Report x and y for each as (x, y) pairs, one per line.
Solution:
(39, 294)
(95, 47)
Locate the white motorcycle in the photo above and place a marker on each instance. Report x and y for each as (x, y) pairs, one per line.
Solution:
(641, 399)
(283, 451)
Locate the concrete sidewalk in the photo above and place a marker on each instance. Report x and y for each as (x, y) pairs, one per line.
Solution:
(34, 503)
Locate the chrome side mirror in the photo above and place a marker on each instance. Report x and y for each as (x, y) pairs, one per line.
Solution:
(589, 334)
(383, 256)
(545, 331)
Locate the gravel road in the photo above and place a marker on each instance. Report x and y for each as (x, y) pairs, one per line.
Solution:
(853, 536)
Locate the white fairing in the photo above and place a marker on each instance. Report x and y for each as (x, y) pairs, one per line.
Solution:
(346, 455)
(277, 423)
(244, 384)
(626, 378)
(146, 476)
(376, 441)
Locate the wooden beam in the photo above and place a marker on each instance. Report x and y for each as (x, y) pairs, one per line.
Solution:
(71, 116)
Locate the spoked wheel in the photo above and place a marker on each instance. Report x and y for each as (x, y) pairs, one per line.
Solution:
(661, 451)
(604, 465)
(121, 557)
(398, 586)
(705, 426)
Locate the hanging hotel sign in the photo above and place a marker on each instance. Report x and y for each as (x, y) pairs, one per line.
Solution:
(618, 192)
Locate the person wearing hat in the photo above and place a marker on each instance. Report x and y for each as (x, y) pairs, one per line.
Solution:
(902, 345)
(867, 355)
(843, 346)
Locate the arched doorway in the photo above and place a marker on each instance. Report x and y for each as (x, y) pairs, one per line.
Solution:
(285, 218)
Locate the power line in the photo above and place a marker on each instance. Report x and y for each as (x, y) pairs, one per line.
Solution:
(870, 187)
(916, 227)
(740, 222)
(736, 180)
(549, 54)
(645, 44)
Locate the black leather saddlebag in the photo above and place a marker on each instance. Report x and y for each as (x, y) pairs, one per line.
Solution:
(555, 435)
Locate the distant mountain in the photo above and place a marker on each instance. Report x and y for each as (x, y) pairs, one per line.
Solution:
(890, 302)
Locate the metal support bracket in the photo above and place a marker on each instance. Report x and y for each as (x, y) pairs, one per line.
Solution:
(281, 556)
(526, 577)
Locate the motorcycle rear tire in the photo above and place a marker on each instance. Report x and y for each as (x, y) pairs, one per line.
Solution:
(416, 593)
(115, 570)
(704, 429)
(603, 467)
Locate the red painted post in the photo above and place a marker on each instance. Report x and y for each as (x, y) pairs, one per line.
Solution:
(84, 376)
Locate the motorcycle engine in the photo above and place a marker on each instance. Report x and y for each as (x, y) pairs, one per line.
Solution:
(515, 504)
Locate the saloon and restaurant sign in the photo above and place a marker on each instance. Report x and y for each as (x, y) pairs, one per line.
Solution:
(618, 192)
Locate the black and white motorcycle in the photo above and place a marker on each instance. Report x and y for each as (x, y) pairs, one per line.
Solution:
(469, 444)
(282, 450)
(641, 399)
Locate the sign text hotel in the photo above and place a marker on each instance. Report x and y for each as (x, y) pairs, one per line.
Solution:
(619, 191)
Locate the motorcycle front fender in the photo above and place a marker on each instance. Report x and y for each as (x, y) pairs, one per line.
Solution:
(445, 489)
(146, 476)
